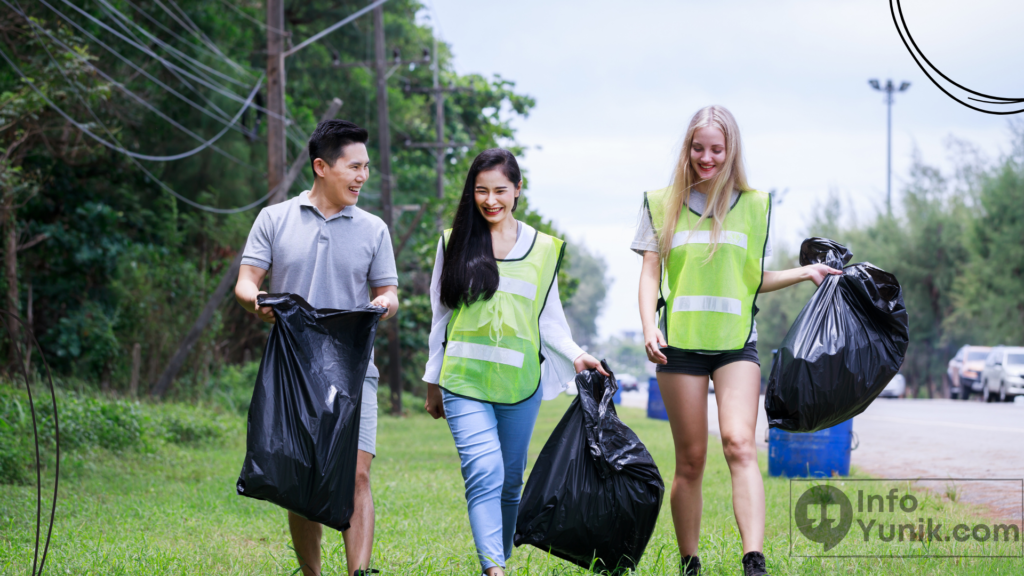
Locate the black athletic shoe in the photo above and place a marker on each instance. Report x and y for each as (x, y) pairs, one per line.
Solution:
(753, 564)
(366, 572)
(689, 566)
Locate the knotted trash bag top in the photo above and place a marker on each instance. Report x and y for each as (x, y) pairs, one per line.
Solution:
(844, 347)
(303, 426)
(594, 494)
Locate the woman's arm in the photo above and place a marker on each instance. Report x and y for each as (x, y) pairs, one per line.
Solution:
(438, 325)
(772, 281)
(650, 281)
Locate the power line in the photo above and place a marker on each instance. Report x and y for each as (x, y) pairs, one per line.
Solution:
(198, 33)
(333, 27)
(219, 89)
(255, 21)
(183, 40)
(138, 164)
(202, 96)
(117, 147)
(135, 96)
(128, 92)
(188, 60)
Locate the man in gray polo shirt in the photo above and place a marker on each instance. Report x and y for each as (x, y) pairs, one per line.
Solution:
(320, 246)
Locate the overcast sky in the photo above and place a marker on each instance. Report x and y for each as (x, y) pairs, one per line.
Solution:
(616, 84)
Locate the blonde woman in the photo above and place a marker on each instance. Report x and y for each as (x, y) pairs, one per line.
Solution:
(704, 239)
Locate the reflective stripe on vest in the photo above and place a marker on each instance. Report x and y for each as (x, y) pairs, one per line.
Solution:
(710, 305)
(492, 347)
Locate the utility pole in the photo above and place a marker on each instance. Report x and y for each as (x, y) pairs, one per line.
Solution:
(889, 88)
(439, 145)
(384, 150)
(439, 114)
(276, 152)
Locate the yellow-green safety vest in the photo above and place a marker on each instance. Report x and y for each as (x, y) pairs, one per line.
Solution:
(492, 347)
(709, 306)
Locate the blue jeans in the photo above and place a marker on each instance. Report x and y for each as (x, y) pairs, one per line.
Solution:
(492, 440)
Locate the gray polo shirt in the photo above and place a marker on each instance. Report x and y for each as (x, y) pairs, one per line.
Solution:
(331, 262)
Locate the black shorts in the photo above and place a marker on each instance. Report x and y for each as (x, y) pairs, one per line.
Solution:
(683, 362)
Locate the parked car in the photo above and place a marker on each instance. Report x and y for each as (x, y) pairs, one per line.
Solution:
(895, 388)
(1003, 376)
(963, 373)
(628, 383)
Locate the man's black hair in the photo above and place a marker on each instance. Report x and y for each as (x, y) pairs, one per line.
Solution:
(331, 137)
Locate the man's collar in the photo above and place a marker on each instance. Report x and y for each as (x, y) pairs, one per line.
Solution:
(347, 211)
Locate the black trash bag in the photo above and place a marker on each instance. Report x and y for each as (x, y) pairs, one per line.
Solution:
(594, 494)
(303, 426)
(844, 347)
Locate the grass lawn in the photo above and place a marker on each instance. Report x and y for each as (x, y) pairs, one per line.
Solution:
(176, 513)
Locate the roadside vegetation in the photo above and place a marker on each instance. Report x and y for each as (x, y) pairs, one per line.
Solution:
(140, 500)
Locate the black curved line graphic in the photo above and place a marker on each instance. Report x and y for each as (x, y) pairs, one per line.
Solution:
(992, 99)
(37, 562)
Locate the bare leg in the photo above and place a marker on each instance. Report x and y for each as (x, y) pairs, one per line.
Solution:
(359, 537)
(306, 540)
(494, 571)
(737, 389)
(686, 401)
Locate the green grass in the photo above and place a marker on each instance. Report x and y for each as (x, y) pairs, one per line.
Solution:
(174, 511)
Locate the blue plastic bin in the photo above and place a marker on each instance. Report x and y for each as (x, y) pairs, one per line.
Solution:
(820, 454)
(655, 405)
(617, 397)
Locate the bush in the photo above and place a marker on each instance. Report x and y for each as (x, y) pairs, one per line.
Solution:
(190, 428)
(16, 454)
(232, 388)
(88, 423)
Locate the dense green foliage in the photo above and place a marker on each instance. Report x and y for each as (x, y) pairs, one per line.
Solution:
(957, 248)
(109, 260)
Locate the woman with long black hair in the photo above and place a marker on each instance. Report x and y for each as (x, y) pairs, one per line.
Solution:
(499, 344)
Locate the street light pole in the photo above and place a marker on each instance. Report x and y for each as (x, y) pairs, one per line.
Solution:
(889, 88)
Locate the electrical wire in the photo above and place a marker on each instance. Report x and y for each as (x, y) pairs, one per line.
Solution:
(263, 26)
(186, 59)
(131, 94)
(138, 164)
(198, 33)
(183, 40)
(117, 147)
(331, 28)
(37, 562)
(213, 86)
(209, 103)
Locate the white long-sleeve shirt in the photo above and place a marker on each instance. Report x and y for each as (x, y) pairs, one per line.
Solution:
(556, 341)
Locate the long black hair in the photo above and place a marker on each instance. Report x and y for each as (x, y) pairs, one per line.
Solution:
(470, 272)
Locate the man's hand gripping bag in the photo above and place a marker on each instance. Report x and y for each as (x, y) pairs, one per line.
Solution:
(843, 348)
(303, 426)
(594, 494)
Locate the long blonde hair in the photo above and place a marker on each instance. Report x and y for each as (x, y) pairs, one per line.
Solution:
(731, 177)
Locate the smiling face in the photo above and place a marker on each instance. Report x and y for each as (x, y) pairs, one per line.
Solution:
(343, 181)
(707, 152)
(495, 195)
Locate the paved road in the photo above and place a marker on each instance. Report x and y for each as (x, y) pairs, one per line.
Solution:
(936, 439)
(929, 439)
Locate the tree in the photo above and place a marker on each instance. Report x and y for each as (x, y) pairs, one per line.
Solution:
(989, 292)
(32, 79)
(583, 308)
